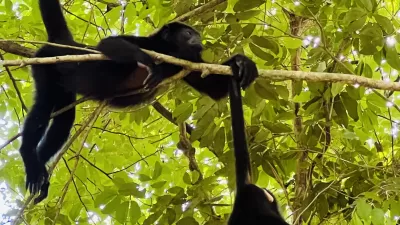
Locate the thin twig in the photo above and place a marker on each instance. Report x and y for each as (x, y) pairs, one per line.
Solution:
(144, 158)
(14, 82)
(66, 108)
(59, 156)
(90, 123)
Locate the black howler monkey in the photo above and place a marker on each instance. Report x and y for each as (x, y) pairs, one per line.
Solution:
(253, 205)
(129, 69)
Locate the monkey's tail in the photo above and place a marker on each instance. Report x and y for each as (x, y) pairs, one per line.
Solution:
(242, 158)
(54, 21)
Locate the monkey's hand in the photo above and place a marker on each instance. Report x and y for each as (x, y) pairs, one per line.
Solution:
(154, 77)
(244, 69)
(37, 179)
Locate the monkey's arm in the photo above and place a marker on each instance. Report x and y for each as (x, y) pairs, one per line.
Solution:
(120, 50)
(216, 85)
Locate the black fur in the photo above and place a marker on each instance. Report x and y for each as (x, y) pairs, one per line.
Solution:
(251, 206)
(57, 84)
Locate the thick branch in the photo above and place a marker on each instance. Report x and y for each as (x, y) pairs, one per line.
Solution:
(16, 49)
(275, 75)
(199, 10)
(168, 115)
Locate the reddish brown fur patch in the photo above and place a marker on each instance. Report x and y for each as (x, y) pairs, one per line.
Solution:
(135, 80)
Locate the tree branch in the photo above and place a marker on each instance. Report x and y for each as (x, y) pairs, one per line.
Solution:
(168, 115)
(206, 68)
(17, 49)
(199, 10)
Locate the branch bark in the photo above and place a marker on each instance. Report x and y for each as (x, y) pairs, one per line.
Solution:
(199, 10)
(17, 49)
(168, 115)
(206, 68)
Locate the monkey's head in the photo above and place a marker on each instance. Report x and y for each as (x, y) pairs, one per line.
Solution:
(183, 41)
(256, 206)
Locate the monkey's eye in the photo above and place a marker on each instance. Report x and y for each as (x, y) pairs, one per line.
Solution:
(188, 32)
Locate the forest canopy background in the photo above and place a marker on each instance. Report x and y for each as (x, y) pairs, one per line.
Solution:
(328, 151)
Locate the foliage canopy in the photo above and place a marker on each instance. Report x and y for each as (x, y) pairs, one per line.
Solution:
(336, 160)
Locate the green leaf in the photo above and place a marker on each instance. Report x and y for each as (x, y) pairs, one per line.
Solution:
(350, 135)
(351, 105)
(187, 179)
(394, 207)
(219, 141)
(187, 221)
(378, 216)
(357, 24)
(367, 4)
(159, 184)
(247, 14)
(355, 220)
(112, 206)
(74, 212)
(376, 100)
(363, 209)
(243, 5)
(364, 151)
(131, 189)
(303, 97)
(322, 206)
(313, 107)
(392, 57)
(8, 5)
(341, 117)
(368, 71)
(266, 43)
(157, 170)
(371, 37)
(134, 212)
(122, 212)
(292, 43)
(144, 177)
(151, 219)
(171, 215)
(353, 15)
(182, 112)
(265, 90)
(336, 88)
(104, 197)
(260, 53)
(385, 23)
(277, 127)
(248, 30)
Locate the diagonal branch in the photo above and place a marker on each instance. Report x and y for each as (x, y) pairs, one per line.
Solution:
(17, 49)
(206, 7)
(14, 82)
(168, 115)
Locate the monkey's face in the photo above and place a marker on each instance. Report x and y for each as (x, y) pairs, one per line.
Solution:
(189, 39)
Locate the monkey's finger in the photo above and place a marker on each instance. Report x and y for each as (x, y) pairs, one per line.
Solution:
(141, 65)
(148, 78)
(244, 74)
(250, 75)
(152, 82)
(35, 188)
(239, 64)
(26, 184)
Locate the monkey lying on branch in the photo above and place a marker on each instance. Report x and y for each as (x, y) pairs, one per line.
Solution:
(128, 69)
